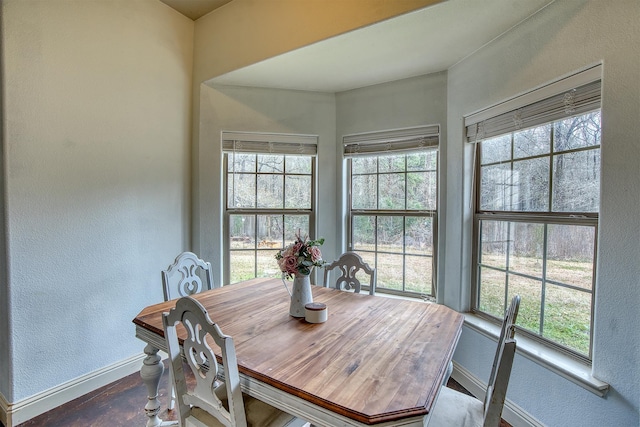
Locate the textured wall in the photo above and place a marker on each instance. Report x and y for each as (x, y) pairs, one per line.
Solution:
(97, 97)
(563, 38)
(5, 348)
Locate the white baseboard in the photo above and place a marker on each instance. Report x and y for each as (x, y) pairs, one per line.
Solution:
(511, 413)
(4, 409)
(12, 414)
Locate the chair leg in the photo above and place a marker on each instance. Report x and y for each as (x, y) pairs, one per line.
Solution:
(448, 374)
(172, 398)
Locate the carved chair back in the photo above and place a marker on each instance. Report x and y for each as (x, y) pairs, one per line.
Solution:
(222, 400)
(349, 264)
(184, 276)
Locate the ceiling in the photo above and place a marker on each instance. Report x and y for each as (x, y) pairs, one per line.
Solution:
(422, 42)
(194, 9)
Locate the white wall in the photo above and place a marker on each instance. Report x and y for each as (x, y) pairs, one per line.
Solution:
(96, 140)
(262, 110)
(404, 103)
(562, 39)
(5, 353)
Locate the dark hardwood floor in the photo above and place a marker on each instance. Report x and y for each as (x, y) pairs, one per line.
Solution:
(119, 404)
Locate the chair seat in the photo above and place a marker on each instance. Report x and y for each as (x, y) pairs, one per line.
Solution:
(259, 414)
(455, 409)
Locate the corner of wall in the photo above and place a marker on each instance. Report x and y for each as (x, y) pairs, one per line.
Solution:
(6, 374)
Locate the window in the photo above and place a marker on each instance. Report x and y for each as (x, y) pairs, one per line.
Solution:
(392, 206)
(270, 197)
(537, 205)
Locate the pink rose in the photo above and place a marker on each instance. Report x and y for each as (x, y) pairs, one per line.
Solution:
(315, 253)
(291, 264)
(297, 247)
(288, 252)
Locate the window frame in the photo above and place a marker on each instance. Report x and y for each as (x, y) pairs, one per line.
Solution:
(263, 144)
(394, 142)
(545, 218)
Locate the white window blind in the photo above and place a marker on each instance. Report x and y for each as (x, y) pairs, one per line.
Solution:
(376, 143)
(269, 143)
(572, 96)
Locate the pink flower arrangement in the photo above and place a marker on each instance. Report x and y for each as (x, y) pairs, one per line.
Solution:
(300, 257)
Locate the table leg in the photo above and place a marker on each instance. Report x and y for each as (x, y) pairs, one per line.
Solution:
(150, 372)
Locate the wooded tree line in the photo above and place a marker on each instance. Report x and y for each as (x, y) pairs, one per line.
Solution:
(554, 168)
(549, 168)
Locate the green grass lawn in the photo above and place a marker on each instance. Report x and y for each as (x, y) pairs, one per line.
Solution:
(558, 313)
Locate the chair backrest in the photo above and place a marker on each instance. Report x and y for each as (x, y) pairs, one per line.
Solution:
(501, 369)
(208, 393)
(497, 391)
(183, 277)
(506, 331)
(349, 264)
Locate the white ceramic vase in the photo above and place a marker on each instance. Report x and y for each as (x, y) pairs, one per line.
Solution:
(301, 295)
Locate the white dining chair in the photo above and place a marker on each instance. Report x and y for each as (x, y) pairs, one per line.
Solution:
(454, 408)
(216, 399)
(349, 264)
(184, 276)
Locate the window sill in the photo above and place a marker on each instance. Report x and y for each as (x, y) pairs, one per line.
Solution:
(563, 365)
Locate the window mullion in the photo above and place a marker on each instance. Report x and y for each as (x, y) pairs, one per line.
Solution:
(404, 241)
(506, 263)
(551, 157)
(378, 184)
(255, 180)
(543, 291)
(540, 217)
(284, 183)
(405, 184)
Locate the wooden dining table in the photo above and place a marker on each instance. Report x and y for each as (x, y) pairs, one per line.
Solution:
(376, 360)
